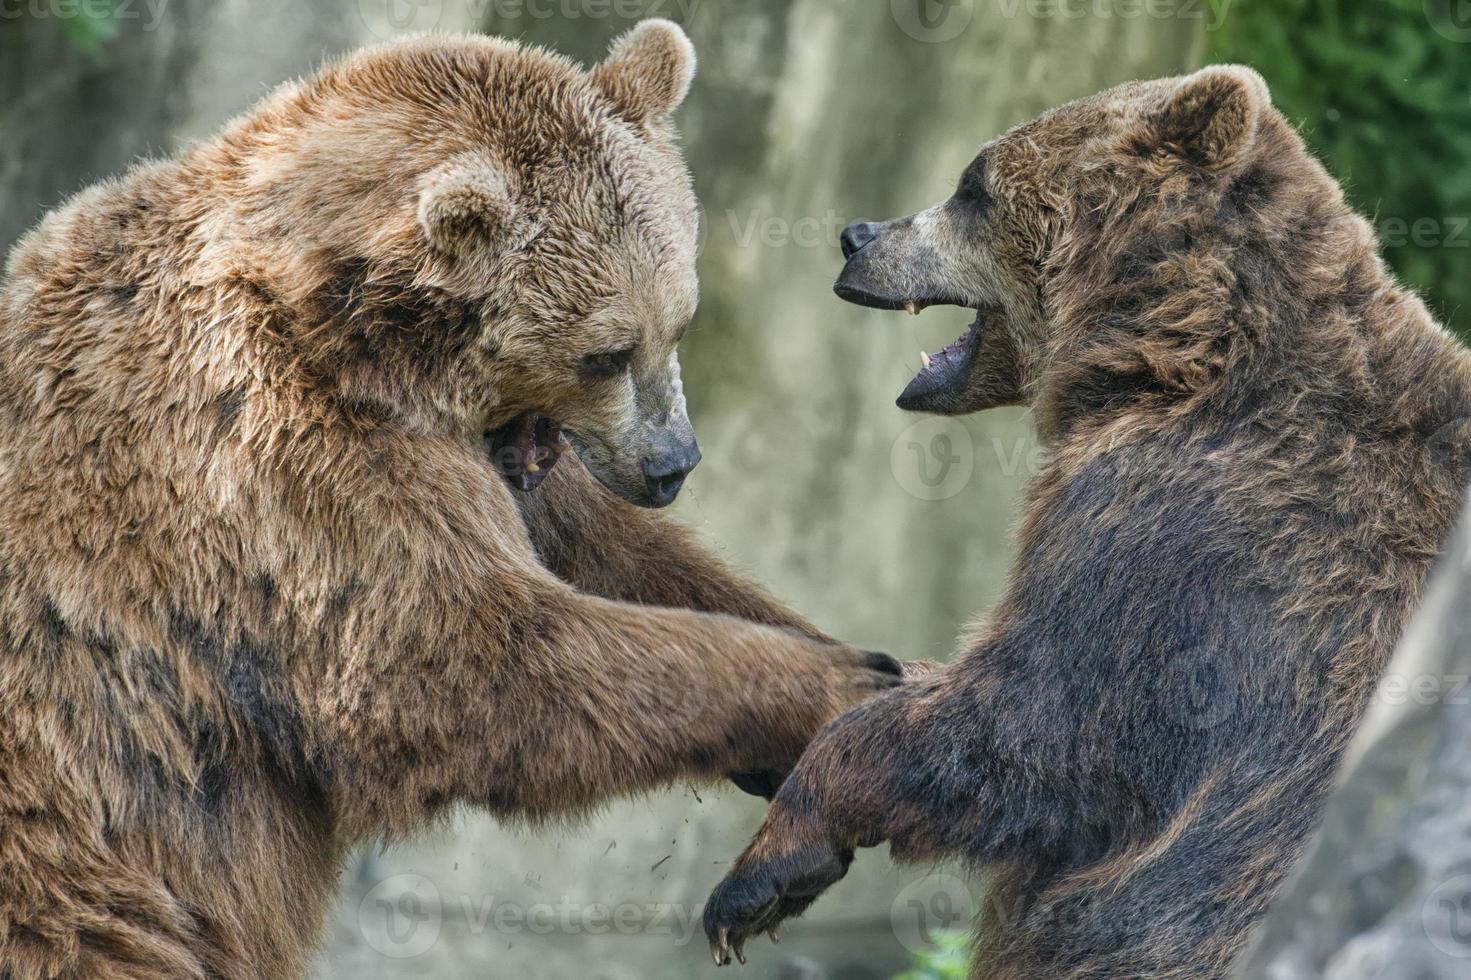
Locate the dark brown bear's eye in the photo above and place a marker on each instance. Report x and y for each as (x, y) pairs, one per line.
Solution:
(607, 364)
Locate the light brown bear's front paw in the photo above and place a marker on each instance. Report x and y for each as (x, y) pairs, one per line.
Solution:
(915, 669)
(774, 880)
(762, 782)
(864, 673)
(848, 677)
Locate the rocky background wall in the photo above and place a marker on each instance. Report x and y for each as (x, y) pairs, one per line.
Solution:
(888, 530)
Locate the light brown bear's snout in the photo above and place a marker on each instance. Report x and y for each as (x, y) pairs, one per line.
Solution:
(665, 472)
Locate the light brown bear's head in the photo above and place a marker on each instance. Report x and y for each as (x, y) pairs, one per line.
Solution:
(1145, 221)
(473, 234)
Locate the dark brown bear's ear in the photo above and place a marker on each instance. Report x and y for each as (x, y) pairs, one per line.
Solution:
(1211, 119)
(648, 72)
(465, 204)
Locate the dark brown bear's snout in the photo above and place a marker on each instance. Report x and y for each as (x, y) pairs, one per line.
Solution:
(873, 268)
(665, 473)
(857, 236)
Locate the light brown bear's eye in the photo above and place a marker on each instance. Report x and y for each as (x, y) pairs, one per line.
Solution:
(607, 364)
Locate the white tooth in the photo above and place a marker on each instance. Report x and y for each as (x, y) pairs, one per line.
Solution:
(532, 468)
(924, 357)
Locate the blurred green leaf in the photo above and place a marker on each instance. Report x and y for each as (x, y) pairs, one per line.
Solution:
(91, 25)
(948, 960)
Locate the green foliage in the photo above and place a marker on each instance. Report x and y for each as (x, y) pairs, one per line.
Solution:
(1382, 92)
(91, 31)
(948, 960)
(88, 24)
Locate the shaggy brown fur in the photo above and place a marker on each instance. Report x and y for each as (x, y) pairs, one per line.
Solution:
(1258, 442)
(263, 593)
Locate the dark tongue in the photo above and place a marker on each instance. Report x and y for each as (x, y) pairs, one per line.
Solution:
(946, 371)
(525, 449)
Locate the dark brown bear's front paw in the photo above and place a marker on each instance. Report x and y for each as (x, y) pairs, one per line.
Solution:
(761, 892)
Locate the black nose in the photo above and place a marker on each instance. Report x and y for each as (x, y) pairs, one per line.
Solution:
(664, 474)
(856, 236)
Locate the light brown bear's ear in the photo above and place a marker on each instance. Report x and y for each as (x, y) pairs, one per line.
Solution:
(648, 72)
(466, 204)
(1211, 119)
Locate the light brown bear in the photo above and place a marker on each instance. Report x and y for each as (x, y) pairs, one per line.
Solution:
(266, 590)
(1257, 444)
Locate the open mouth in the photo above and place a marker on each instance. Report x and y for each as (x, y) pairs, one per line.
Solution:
(525, 449)
(945, 371)
(942, 373)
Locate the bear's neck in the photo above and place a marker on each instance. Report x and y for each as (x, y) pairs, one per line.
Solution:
(1197, 316)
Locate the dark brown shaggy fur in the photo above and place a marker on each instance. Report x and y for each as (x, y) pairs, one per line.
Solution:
(263, 595)
(1258, 441)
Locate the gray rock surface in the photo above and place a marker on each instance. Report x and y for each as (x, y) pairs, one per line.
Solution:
(1385, 891)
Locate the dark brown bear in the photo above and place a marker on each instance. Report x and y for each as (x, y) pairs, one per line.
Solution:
(266, 589)
(1257, 444)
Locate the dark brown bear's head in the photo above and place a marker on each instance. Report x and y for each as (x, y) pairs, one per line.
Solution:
(1100, 201)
